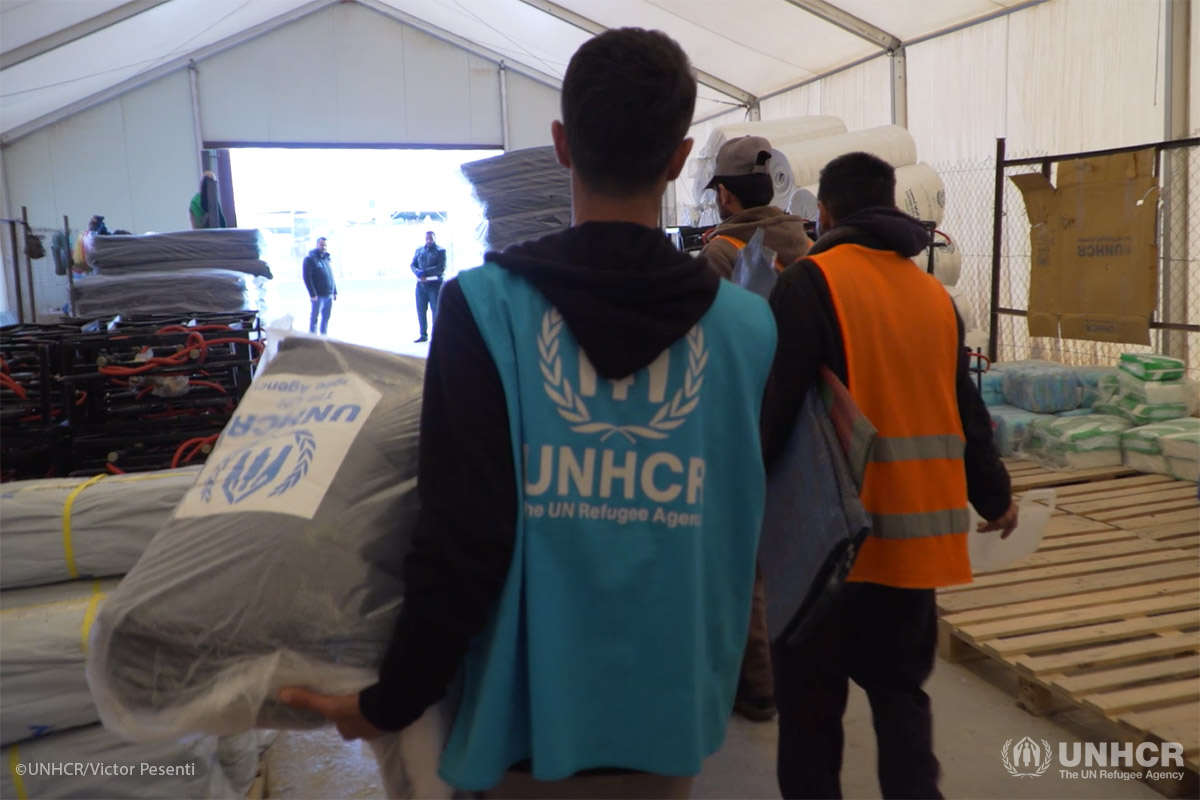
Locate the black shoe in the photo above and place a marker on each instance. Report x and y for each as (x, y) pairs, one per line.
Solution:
(422, 339)
(755, 709)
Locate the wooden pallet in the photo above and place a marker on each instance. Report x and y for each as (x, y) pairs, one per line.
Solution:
(1105, 616)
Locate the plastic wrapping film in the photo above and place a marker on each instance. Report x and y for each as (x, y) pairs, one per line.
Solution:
(1182, 453)
(947, 260)
(1041, 388)
(799, 163)
(525, 194)
(1142, 447)
(44, 631)
(197, 245)
(921, 193)
(1075, 442)
(991, 387)
(175, 292)
(1151, 366)
(63, 528)
(114, 768)
(1126, 405)
(1179, 392)
(1090, 381)
(248, 266)
(962, 305)
(1008, 427)
(282, 565)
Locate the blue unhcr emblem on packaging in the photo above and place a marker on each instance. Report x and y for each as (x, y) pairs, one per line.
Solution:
(274, 466)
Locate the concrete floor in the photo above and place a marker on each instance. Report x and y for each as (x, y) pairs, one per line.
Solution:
(974, 714)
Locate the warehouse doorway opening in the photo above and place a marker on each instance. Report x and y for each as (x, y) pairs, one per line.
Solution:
(373, 208)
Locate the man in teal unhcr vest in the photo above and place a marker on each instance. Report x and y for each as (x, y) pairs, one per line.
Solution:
(590, 475)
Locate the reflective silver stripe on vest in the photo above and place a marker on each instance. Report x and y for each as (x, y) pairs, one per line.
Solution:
(916, 448)
(912, 526)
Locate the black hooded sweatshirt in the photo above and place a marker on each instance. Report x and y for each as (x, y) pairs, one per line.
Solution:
(626, 294)
(811, 335)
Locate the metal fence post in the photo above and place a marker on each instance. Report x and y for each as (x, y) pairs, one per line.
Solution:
(997, 233)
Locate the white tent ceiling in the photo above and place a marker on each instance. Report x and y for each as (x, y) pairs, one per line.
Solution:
(59, 56)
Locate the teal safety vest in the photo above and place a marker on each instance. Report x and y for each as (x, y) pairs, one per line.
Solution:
(622, 623)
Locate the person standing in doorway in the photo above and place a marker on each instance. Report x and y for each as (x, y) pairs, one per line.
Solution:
(429, 265)
(205, 208)
(318, 278)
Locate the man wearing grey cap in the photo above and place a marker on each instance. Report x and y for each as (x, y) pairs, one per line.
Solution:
(744, 193)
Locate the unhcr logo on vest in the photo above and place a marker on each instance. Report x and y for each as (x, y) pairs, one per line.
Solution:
(1027, 755)
(571, 403)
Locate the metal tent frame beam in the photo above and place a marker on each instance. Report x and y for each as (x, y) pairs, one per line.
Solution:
(74, 32)
(849, 23)
(595, 28)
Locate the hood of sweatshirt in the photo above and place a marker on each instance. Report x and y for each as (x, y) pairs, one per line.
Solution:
(878, 228)
(782, 232)
(623, 289)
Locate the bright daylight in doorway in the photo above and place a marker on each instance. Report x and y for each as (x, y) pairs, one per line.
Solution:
(373, 207)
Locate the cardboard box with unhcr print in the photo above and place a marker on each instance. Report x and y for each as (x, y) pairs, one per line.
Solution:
(1094, 255)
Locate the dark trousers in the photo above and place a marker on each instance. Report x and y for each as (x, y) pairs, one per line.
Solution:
(755, 682)
(885, 640)
(427, 297)
(322, 307)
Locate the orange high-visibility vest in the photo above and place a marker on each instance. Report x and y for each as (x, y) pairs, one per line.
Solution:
(738, 244)
(901, 341)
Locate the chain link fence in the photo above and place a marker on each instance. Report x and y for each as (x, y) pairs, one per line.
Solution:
(39, 284)
(970, 221)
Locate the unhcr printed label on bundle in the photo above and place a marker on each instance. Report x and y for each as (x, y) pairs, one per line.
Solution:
(283, 447)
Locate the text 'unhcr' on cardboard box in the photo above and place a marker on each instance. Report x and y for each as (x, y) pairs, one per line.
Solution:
(1093, 250)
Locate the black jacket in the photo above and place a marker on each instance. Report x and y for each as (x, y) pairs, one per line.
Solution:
(810, 335)
(429, 262)
(318, 275)
(626, 294)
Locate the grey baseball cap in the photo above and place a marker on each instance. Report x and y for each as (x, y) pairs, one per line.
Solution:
(745, 155)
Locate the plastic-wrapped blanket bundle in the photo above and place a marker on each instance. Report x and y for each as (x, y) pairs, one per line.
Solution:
(1179, 392)
(1116, 397)
(255, 266)
(1182, 452)
(1094, 382)
(1076, 442)
(991, 385)
(281, 566)
(525, 194)
(184, 769)
(196, 245)
(44, 631)
(1152, 367)
(1042, 388)
(1008, 427)
(63, 528)
(174, 292)
(1143, 446)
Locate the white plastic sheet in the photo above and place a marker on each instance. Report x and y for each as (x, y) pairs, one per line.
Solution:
(799, 163)
(111, 522)
(44, 634)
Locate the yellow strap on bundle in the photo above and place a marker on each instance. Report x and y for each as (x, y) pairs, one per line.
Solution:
(89, 616)
(14, 761)
(68, 547)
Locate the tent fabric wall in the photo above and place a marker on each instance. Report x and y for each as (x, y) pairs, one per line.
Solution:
(538, 107)
(859, 96)
(132, 159)
(349, 75)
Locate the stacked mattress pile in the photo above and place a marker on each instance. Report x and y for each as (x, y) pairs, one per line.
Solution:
(525, 194)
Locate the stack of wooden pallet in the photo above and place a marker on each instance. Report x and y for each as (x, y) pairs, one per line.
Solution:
(1106, 614)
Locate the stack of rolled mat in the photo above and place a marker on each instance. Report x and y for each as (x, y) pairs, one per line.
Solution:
(1144, 447)
(525, 194)
(237, 249)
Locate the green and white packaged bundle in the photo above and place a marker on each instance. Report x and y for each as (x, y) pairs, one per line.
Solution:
(1182, 453)
(1131, 408)
(1159, 393)
(1142, 447)
(1151, 366)
(1076, 442)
